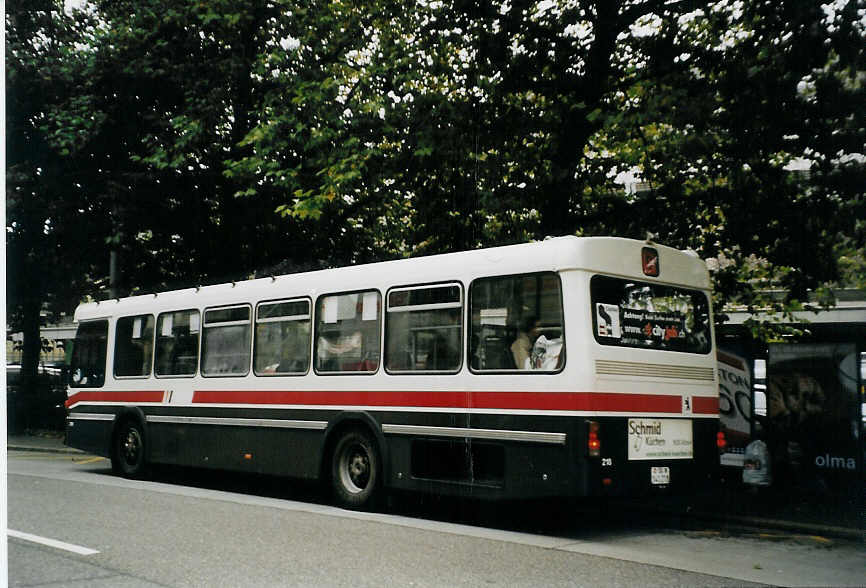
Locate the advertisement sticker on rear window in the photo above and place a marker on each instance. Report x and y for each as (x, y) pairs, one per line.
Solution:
(607, 316)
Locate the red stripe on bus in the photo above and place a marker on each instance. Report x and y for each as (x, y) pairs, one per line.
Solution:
(131, 396)
(568, 401)
(571, 401)
(705, 404)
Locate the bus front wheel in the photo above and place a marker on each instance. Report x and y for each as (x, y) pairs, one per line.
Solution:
(127, 455)
(355, 470)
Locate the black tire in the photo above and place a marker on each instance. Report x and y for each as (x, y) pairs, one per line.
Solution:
(356, 470)
(128, 450)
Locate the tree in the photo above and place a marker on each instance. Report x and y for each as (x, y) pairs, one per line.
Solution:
(729, 100)
(53, 221)
(175, 83)
(486, 122)
(376, 131)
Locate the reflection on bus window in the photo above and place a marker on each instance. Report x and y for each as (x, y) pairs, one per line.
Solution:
(630, 313)
(225, 346)
(282, 338)
(423, 329)
(133, 346)
(517, 323)
(347, 332)
(89, 354)
(177, 343)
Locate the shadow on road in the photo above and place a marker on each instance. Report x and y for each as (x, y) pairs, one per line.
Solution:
(561, 517)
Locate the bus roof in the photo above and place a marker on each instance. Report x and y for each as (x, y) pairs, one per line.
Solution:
(608, 255)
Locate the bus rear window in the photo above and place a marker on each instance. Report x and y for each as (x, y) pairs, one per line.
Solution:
(630, 313)
(88, 355)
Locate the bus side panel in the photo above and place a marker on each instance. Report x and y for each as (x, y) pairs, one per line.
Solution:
(493, 468)
(262, 450)
(540, 471)
(534, 468)
(91, 436)
(425, 463)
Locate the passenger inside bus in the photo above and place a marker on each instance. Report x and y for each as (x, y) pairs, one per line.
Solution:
(522, 346)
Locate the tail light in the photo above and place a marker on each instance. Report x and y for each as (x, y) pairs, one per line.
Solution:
(593, 442)
(721, 442)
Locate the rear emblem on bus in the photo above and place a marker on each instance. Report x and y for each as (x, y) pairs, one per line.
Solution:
(650, 261)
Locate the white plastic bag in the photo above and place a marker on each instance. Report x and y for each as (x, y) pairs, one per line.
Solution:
(545, 354)
(756, 464)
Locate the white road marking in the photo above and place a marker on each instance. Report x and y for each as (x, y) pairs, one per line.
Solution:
(51, 542)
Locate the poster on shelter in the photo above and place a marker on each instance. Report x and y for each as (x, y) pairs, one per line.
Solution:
(735, 405)
(813, 410)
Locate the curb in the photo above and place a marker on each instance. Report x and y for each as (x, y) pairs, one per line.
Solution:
(814, 530)
(757, 526)
(34, 449)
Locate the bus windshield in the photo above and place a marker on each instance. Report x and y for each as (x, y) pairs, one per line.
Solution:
(630, 313)
(88, 355)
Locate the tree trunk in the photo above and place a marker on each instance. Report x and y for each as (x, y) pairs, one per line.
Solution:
(30, 354)
(558, 203)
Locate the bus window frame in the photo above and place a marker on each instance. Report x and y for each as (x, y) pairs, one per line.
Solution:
(198, 346)
(710, 346)
(461, 304)
(257, 321)
(563, 357)
(379, 332)
(150, 372)
(235, 323)
(108, 334)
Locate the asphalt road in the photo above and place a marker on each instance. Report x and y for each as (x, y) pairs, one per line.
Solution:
(192, 529)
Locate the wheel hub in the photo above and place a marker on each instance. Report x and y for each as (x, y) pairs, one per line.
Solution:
(358, 469)
(131, 446)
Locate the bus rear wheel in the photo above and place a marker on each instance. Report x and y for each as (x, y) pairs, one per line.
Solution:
(127, 455)
(355, 470)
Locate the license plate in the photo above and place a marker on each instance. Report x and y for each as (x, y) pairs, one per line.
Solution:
(660, 475)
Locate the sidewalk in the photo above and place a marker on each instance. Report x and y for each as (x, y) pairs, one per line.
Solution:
(45, 443)
(735, 507)
(740, 510)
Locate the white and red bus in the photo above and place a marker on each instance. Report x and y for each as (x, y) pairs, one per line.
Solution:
(567, 367)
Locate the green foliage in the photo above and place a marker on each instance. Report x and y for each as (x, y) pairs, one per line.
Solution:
(205, 141)
(730, 104)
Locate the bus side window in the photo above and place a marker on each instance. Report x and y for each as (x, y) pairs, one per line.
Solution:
(282, 343)
(177, 343)
(133, 346)
(423, 329)
(516, 316)
(347, 332)
(225, 346)
(89, 354)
